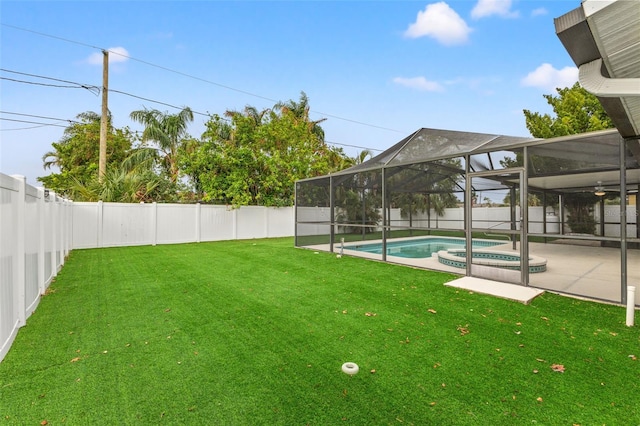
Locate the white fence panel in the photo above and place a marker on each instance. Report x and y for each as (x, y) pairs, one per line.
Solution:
(252, 222)
(32, 248)
(280, 222)
(313, 214)
(9, 317)
(118, 224)
(612, 220)
(35, 230)
(217, 223)
(176, 223)
(85, 225)
(126, 224)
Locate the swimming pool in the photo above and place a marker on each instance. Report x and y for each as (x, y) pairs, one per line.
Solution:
(417, 248)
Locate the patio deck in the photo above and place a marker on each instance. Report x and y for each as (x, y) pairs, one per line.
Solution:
(577, 270)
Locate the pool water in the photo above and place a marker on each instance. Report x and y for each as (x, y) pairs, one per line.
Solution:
(420, 247)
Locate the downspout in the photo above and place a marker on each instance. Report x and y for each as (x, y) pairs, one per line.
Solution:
(591, 79)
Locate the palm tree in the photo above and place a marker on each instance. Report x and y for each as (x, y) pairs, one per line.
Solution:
(362, 156)
(130, 181)
(167, 130)
(300, 111)
(50, 159)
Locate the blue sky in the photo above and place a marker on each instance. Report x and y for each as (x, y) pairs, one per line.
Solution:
(376, 70)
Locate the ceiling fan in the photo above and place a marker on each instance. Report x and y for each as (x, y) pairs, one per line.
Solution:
(601, 191)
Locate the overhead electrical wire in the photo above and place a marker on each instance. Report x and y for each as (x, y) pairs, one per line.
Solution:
(38, 123)
(156, 102)
(39, 116)
(30, 122)
(194, 77)
(71, 84)
(96, 89)
(79, 85)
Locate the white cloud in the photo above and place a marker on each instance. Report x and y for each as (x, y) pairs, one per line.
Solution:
(116, 54)
(441, 22)
(485, 8)
(539, 11)
(419, 83)
(548, 78)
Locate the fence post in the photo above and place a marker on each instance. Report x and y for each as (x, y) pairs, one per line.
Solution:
(154, 223)
(61, 225)
(100, 218)
(19, 274)
(52, 230)
(42, 280)
(198, 221)
(235, 223)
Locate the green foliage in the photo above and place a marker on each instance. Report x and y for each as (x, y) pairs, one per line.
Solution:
(428, 186)
(132, 181)
(358, 201)
(255, 157)
(168, 131)
(580, 212)
(76, 154)
(576, 111)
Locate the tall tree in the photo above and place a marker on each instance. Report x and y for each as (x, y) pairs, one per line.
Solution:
(133, 180)
(300, 110)
(576, 111)
(76, 154)
(256, 157)
(167, 131)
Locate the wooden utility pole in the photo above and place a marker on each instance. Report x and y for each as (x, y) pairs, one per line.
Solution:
(102, 162)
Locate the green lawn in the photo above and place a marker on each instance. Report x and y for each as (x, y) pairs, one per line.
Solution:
(255, 332)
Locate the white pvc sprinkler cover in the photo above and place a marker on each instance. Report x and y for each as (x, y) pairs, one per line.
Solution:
(350, 368)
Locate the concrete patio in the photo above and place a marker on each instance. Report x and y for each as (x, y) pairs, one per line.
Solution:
(573, 269)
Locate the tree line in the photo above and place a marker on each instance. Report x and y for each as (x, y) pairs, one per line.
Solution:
(248, 157)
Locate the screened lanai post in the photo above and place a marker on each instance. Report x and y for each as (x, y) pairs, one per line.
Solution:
(512, 211)
(467, 215)
(544, 214)
(429, 213)
(601, 213)
(561, 212)
(364, 213)
(524, 219)
(332, 216)
(638, 212)
(623, 221)
(384, 216)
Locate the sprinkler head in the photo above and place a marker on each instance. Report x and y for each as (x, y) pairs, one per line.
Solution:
(350, 368)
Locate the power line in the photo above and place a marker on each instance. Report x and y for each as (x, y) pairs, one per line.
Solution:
(38, 116)
(197, 78)
(38, 123)
(49, 35)
(30, 122)
(79, 85)
(157, 102)
(91, 88)
(353, 146)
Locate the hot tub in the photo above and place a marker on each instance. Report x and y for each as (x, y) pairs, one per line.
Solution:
(499, 259)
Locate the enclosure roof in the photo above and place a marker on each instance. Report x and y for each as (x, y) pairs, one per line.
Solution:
(603, 39)
(432, 144)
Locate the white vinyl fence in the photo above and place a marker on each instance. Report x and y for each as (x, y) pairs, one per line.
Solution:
(35, 238)
(119, 224)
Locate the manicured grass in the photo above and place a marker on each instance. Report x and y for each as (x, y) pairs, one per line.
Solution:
(255, 332)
